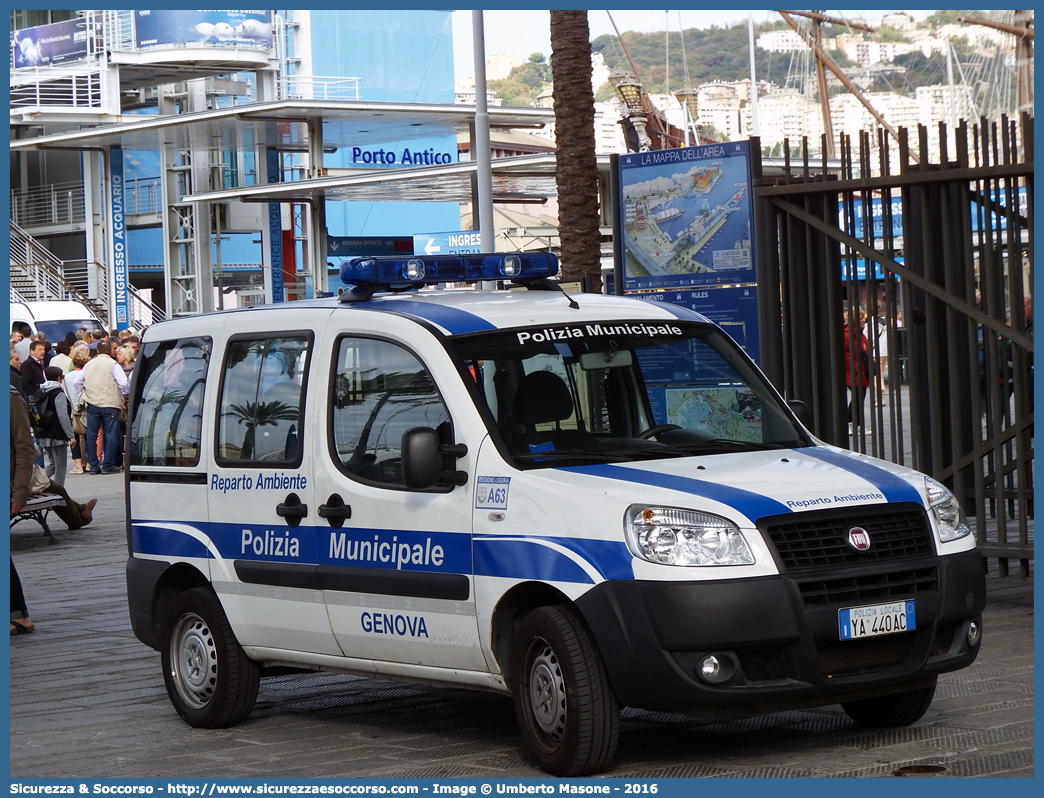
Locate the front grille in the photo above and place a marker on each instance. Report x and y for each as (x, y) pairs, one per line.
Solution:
(819, 539)
(762, 664)
(864, 588)
(839, 658)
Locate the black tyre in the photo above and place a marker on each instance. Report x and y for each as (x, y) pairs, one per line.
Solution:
(898, 709)
(211, 682)
(566, 708)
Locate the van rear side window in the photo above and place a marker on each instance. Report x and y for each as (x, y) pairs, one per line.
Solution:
(168, 419)
(262, 406)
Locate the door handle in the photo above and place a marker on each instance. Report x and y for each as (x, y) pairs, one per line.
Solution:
(335, 511)
(292, 509)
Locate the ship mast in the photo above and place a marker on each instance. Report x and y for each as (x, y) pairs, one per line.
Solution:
(824, 60)
(1023, 33)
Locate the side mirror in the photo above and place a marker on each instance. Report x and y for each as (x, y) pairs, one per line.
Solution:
(801, 411)
(423, 460)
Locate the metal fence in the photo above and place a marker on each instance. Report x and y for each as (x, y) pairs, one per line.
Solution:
(939, 256)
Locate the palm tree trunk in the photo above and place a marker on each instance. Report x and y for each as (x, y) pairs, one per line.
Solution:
(576, 172)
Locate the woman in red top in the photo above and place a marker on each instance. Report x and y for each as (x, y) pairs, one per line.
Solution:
(857, 372)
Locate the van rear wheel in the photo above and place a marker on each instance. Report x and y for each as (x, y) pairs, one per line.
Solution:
(566, 708)
(210, 680)
(898, 709)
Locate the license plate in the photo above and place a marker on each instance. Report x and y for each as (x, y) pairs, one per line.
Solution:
(877, 619)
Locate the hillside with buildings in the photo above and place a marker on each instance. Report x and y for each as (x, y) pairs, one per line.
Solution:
(914, 69)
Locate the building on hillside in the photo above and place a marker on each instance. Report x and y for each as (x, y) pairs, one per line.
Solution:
(788, 114)
(781, 41)
(849, 115)
(900, 20)
(599, 71)
(464, 95)
(865, 53)
(499, 65)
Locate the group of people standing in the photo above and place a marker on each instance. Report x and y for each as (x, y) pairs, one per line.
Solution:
(92, 366)
(87, 368)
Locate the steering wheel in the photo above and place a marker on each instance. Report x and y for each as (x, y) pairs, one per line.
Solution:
(659, 429)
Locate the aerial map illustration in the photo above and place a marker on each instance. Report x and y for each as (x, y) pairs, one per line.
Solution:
(733, 413)
(686, 217)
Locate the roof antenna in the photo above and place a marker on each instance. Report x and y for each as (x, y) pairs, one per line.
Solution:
(572, 302)
(543, 284)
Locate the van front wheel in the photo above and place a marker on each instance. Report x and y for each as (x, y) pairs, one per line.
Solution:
(898, 709)
(210, 680)
(566, 708)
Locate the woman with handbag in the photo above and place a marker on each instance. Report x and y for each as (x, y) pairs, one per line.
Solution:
(73, 388)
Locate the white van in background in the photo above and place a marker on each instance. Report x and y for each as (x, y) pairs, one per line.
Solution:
(54, 318)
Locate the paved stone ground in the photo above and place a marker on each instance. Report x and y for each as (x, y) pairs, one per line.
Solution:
(87, 701)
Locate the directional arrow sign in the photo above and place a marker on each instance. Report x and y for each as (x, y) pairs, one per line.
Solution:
(458, 243)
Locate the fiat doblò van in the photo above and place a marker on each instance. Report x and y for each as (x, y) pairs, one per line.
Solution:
(586, 502)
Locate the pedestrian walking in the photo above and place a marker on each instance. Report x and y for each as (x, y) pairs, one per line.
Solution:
(20, 622)
(876, 333)
(54, 431)
(105, 389)
(857, 367)
(23, 454)
(62, 359)
(16, 371)
(32, 368)
(81, 355)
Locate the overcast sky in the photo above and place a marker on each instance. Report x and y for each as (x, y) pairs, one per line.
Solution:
(527, 32)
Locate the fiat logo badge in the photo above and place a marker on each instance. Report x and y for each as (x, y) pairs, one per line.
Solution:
(858, 538)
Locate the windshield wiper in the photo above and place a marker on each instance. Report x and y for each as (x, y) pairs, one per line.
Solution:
(570, 454)
(724, 444)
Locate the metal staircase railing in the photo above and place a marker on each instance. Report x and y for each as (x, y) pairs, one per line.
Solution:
(37, 274)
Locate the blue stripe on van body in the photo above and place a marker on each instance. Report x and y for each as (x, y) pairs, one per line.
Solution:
(162, 541)
(753, 505)
(895, 489)
(526, 559)
(533, 559)
(456, 321)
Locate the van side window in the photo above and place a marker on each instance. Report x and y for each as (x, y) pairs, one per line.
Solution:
(168, 417)
(380, 391)
(262, 407)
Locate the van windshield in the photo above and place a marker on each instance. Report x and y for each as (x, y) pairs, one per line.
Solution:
(57, 329)
(621, 391)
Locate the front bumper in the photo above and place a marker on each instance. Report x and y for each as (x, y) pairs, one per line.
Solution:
(782, 634)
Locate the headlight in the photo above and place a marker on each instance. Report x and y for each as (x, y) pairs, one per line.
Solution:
(947, 511)
(672, 536)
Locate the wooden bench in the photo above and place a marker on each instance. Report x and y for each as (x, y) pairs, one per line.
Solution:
(37, 509)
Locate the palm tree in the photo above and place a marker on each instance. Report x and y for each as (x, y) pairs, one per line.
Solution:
(260, 414)
(576, 171)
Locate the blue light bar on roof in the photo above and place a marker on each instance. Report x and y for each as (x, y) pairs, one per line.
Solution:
(431, 270)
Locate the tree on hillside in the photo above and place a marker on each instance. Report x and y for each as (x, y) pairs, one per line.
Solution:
(576, 170)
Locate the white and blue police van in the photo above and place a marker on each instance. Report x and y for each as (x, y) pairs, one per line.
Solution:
(586, 502)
